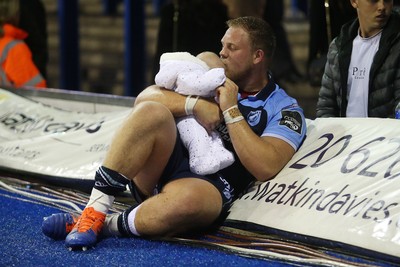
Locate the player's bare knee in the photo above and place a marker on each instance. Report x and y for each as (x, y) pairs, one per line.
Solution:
(159, 112)
(147, 94)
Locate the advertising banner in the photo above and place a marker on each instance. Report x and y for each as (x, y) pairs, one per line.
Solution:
(45, 140)
(342, 185)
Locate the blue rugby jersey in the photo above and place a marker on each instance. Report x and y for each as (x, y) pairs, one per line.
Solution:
(269, 113)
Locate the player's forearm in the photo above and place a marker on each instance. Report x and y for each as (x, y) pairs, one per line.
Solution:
(263, 157)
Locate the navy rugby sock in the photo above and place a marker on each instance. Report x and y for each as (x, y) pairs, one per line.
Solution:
(107, 184)
(110, 182)
(126, 222)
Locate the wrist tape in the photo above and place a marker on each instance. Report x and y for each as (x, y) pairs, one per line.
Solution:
(232, 115)
(189, 104)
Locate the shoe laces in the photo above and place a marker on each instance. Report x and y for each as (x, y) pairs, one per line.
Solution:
(91, 219)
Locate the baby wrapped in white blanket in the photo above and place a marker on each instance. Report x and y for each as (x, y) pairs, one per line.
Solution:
(199, 76)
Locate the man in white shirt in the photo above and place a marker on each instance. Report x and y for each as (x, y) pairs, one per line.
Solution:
(362, 73)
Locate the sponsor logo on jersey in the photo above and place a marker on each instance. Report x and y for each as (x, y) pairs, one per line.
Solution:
(292, 120)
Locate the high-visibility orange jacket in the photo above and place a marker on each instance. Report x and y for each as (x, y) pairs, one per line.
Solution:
(16, 66)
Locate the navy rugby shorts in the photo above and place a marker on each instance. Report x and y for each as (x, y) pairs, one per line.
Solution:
(178, 167)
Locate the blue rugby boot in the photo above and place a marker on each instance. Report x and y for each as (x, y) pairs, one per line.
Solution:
(57, 226)
(85, 232)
